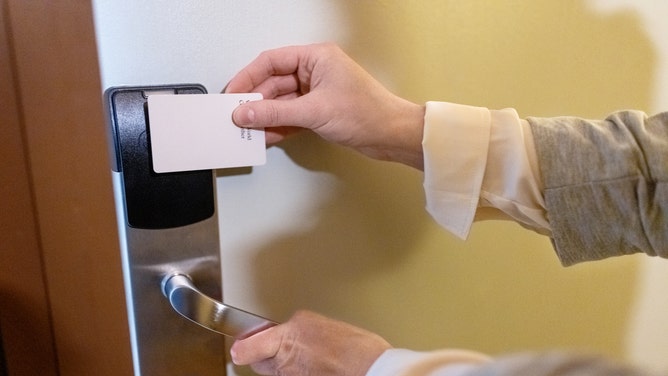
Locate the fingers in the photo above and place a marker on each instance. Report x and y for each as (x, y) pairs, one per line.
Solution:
(277, 62)
(310, 344)
(276, 87)
(261, 346)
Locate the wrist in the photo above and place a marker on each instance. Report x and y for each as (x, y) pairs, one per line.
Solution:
(408, 133)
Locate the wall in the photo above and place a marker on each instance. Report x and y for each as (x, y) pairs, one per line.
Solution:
(322, 228)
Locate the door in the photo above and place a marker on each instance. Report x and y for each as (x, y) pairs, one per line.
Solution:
(62, 307)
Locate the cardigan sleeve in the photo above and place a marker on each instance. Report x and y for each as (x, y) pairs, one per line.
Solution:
(605, 184)
(552, 364)
(452, 362)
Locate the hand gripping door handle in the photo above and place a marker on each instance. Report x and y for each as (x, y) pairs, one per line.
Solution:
(209, 313)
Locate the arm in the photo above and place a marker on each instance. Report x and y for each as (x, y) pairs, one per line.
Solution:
(604, 192)
(597, 188)
(606, 184)
(310, 344)
(318, 87)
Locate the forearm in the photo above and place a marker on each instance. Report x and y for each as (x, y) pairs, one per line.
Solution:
(606, 184)
(602, 184)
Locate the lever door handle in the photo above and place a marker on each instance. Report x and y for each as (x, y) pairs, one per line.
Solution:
(192, 304)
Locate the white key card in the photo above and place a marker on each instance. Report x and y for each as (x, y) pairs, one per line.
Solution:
(195, 132)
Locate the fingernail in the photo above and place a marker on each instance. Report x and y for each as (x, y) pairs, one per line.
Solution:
(251, 115)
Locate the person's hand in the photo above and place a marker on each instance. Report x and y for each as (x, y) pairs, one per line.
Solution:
(320, 88)
(310, 344)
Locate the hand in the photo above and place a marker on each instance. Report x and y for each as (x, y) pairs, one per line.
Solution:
(310, 344)
(320, 88)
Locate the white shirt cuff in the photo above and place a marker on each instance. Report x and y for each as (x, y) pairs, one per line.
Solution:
(452, 202)
(480, 164)
(401, 362)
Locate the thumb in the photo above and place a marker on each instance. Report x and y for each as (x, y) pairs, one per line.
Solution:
(271, 113)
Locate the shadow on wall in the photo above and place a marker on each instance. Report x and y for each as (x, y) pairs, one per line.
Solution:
(544, 58)
(375, 217)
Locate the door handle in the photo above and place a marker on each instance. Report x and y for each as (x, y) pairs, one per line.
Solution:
(197, 307)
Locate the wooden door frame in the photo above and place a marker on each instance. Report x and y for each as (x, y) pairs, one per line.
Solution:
(62, 307)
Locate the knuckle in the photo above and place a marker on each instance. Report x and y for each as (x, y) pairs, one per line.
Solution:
(272, 115)
(287, 358)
